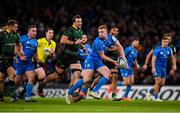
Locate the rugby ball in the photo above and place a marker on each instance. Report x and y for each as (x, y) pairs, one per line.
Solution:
(122, 62)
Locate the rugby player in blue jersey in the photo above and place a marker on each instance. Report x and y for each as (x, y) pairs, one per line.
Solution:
(95, 62)
(131, 54)
(25, 65)
(159, 63)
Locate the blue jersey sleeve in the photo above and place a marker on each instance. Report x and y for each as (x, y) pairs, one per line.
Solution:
(99, 46)
(136, 54)
(156, 52)
(127, 49)
(23, 39)
(113, 40)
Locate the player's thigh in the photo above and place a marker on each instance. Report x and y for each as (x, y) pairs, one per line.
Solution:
(87, 74)
(104, 71)
(40, 73)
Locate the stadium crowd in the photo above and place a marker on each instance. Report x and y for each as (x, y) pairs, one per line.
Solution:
(147, 20)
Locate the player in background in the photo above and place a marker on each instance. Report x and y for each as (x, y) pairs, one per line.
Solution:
(112, 53)
(150, 54)
(84, 51)
(46, 48)
(71, 41)
(161, 54)
(95, 62)
(9, 42)
(25, 65)
(131, 54)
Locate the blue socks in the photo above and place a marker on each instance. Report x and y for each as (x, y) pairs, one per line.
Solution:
(128, 89)
(100, 83)
(78, 84)
(152, 92)
(29, 88)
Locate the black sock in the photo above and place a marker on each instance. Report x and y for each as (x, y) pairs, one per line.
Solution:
(11, 88)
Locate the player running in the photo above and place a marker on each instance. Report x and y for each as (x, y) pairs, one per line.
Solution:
(71, 41)
(95, 62)
(9, 42)
(131, 54)
(112, 53)
(23, 64)
(159, 62)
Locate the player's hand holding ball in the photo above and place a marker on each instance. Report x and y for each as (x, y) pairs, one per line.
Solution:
(122, 63)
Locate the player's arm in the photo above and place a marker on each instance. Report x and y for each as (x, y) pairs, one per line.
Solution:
(173, 63)
(154, 57)
(136, 63)
(104, 57)
(65, 40)
(19, 50)
(174, 53)
(52, 51)
(120, 49)
(148, 59)
(153, 63)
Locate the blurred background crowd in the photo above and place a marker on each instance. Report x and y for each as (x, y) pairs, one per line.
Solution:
(147, 20)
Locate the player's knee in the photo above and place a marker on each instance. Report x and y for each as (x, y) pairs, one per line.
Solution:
(31, 79)
(126, 83)
(86, 79)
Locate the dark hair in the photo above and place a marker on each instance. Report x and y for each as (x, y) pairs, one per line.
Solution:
(102, 26)
(74, 18)
(49, 28)
(114, 26)
(166, 36)
(31, 26)
(11, 22)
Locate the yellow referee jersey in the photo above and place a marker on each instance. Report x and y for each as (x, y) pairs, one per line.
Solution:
(44, 48)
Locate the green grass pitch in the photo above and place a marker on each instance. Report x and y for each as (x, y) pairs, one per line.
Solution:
(91, 105)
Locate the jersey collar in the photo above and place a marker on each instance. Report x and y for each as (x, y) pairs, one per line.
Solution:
(74, 26)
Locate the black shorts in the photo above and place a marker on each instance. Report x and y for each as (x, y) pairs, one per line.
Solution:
(5, 64)
(38, 65)
(109, 65)
(63, 61)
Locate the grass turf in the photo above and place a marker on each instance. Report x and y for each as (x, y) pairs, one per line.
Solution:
(59, 105)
